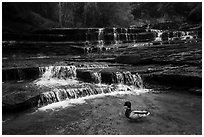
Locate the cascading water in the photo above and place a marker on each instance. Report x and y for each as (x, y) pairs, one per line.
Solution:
(100, 39)
(115, 36)
(97, 77)
(119, 77)
(68, 82)
(66, 93)
(126, 34)
(56, 75)
(60, 72)
(100, 34)
(159, 35)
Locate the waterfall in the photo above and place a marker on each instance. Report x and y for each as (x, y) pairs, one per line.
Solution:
(100, 40)
(126, 34)
(119, 78)
(47, 98)
(88, 91)
(60, 72)
(97, 77)
(133, 79)
(159, 35)
(100, 37)
(138, 81)
(122, 78)
(115, 36)
(56, 75)
(69, 82)
(64, 93)
(100, 33)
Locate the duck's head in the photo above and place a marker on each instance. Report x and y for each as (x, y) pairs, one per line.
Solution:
(127, 104)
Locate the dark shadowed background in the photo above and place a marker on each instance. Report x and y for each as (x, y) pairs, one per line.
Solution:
(28, 16)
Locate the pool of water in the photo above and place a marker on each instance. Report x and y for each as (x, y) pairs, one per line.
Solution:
(171, 113)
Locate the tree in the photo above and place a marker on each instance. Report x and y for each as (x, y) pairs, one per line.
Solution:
(172, 11)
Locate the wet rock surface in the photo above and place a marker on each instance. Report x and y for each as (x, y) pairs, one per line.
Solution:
(178, 54)
(171, 113)
(175, 68)
(175, 65)
(59, 83)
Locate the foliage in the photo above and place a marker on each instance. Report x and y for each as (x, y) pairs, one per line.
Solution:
(168, 11)
(26, 16)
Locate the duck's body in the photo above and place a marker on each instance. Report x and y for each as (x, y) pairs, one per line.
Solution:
(134, 115)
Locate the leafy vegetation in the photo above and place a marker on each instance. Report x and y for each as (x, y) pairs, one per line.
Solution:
(27, 16)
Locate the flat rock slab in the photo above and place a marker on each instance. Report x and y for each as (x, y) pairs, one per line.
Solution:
(179, 65)
(172, 65)
(179, 54)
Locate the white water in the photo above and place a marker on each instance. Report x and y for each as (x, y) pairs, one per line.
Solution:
(56, 76)
(55, 82)
(100, 33)
(159, 38)
(121, 90)
(115, 36)
(126, 34)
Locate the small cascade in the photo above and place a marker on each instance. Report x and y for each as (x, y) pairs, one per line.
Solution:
(100, 33)
(133, 79)
(100, 42)
(87, 43)
(138, 81)
(159, 35)
(115, 39)
(47, 98)
(97, 77)
(100, 39)
(86, 83)
(42, 70)
(65, 93)
(59, 72)
(126, 34)
(56, 75)
(122, 78)
(119, 77)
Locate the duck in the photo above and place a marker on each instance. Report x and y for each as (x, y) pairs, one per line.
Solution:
(134, 115)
